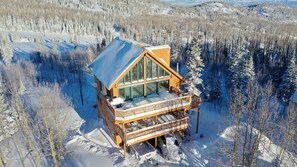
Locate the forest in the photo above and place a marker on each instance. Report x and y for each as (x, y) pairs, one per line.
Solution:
(253, 48)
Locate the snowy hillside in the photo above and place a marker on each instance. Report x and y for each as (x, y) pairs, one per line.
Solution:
(238, 2)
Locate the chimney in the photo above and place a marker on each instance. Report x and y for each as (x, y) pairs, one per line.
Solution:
(177, 67)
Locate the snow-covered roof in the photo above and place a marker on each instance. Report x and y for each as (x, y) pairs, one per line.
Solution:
(294, 97)
(114, 60)
(157, 47)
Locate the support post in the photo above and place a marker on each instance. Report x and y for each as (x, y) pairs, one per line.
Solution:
(124, 150)
(144, 75)
(183, 134)
(198, 118)
(156, 142)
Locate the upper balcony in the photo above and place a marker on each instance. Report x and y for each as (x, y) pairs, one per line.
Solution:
(151, 106)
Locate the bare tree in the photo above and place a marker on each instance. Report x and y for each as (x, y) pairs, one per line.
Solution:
(236, 107)
(50, 121)
(287, 136)
(265, 111)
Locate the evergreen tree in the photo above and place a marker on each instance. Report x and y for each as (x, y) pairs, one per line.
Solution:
(241, 69)
(289, 80)
(195, 66)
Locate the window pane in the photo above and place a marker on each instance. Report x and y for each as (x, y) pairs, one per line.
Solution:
(148, 68)
(154, 70)
(128, 93)
(128, 78)
(140, 69)
(122, 93)
(163, 86)
(134, 73)
(151, 88)
(166, 73)
(161, 72)
(121, 82)
(137, 91)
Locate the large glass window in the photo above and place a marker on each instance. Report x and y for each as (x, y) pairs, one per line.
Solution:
(131, 92)
(127, 78)
(137, 91)
(154, 70)
(163, 86)
(122, 93)
(134, 75)
(148, 69)
(151, 88)
(121, 82)
(163, 73)
(140, 70)
(128, 94)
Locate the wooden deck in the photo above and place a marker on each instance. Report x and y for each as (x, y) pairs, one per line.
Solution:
(152, 131)
(143, 121)
(180, 102)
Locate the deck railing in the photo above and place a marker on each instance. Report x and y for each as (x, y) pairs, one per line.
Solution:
(180, 123)
(183, 101)
(166, 105)
(156, 128)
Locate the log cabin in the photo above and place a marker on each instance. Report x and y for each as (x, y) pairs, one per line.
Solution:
(138, 94)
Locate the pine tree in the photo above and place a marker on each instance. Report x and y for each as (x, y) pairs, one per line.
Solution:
(289, 80)
(195, 66)
(241, 69)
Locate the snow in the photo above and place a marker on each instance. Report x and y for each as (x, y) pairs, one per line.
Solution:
(294, 97)
(268, 150)
(90, 142)
(151, 112)
(117, 101)
(141, 101)
(242, 2)
(152, 48)
(114, 60)
(144, 150)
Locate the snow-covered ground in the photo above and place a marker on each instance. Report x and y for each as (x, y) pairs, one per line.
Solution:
(90, 142)
(241, 2)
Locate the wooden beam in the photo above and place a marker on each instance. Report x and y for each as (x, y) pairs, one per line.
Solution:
(144, 75)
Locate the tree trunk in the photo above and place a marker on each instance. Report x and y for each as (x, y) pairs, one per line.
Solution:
(1, 160)
(244, 145)
(255, 150)
(81, 88)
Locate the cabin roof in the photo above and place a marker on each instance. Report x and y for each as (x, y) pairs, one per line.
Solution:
(118, 56)
(114, 60)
